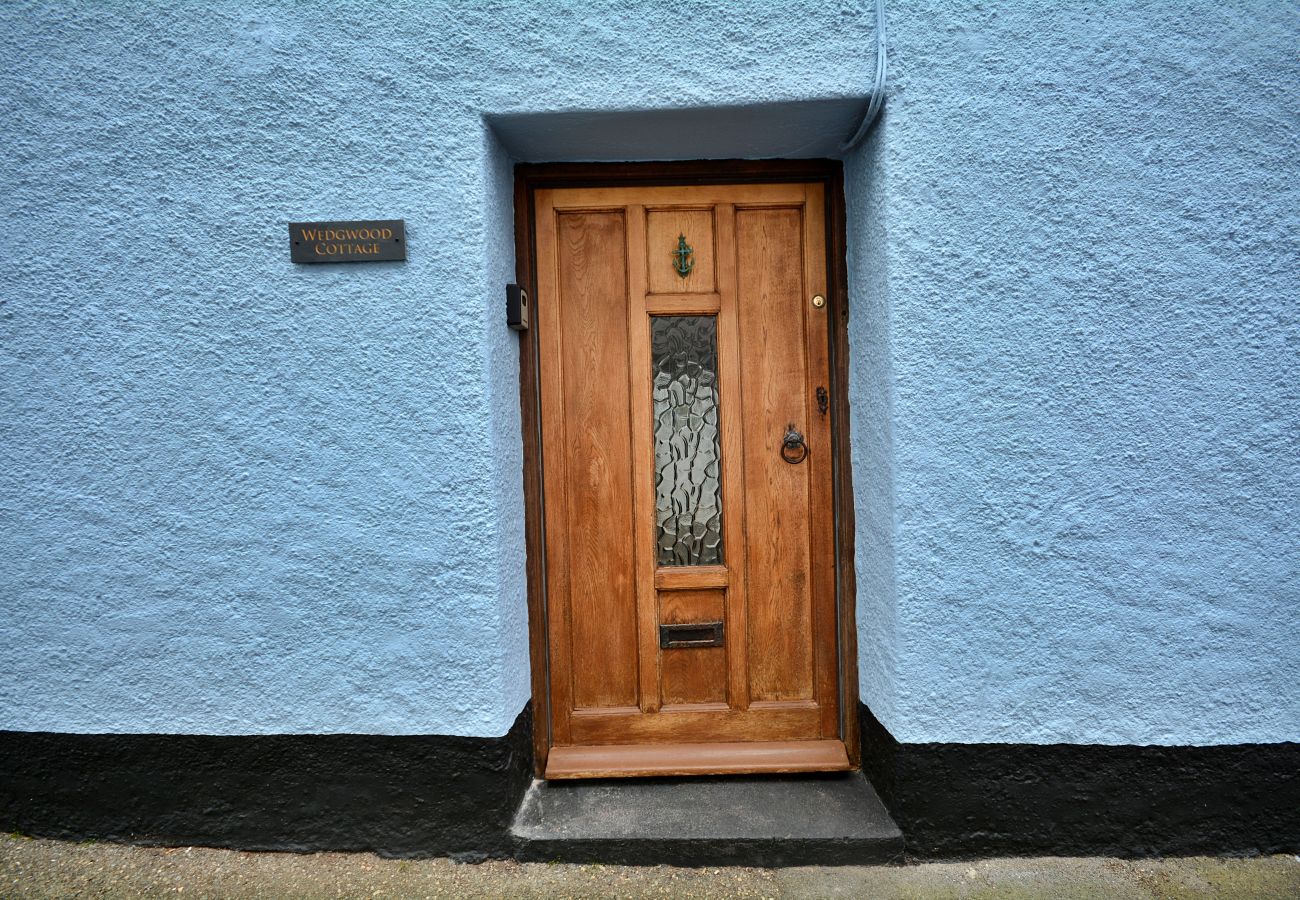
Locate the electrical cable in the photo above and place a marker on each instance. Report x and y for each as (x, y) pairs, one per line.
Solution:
(878, 88)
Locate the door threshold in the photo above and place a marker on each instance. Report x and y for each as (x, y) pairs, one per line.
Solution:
(723, 758)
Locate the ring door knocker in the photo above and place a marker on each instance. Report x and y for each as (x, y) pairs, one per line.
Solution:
(794, 449)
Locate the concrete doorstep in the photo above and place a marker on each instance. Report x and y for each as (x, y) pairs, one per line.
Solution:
(761, 821)
(34, 868)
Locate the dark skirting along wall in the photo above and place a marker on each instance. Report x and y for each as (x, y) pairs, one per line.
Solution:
(396, 795)
(970, 800)
(455, 796)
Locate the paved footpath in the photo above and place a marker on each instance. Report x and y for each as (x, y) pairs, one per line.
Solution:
(40, 868)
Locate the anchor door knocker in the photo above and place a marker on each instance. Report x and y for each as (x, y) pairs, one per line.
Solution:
(683, 257)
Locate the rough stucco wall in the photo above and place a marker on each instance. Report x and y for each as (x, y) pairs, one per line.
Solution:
(242, 496)
(1088, 435)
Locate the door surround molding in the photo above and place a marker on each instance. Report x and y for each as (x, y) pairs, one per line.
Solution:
(530, 177)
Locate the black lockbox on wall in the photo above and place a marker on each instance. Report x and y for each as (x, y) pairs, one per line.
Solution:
(516, 307)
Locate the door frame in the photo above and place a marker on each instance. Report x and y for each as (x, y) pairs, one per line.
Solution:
(529, 178)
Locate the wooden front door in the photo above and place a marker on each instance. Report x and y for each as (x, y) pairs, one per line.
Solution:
(687, 480)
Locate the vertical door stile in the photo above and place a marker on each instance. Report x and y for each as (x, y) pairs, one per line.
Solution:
(555, 472)
(821, 527)
(733, 463)
(643, 501)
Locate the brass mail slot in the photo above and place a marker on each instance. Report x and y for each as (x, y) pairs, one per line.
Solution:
(693, 634)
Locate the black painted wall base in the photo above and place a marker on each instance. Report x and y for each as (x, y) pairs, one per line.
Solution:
(970, 800)
(438, 795)
(433, 795)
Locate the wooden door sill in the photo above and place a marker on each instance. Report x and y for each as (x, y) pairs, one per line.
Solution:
(724, 758)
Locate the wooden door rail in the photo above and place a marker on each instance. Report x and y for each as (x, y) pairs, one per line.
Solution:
(632, 760)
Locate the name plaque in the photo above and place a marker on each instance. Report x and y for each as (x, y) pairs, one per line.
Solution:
(381, 240)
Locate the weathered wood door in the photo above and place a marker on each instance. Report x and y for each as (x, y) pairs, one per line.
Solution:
(686, 460)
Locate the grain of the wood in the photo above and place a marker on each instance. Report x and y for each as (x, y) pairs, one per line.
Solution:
(641, 434)
(531, 182)
(691, 725)
(821, 528)
(586, 448)
(702, 304)
(774, 378)
(663, 228)
(733, 458)
(593, 712)
(676, 607)
(693, 675)
(681, 578)
(594, 198)
(779, 646)
(631, 760)
(784, 704)
(551, 394)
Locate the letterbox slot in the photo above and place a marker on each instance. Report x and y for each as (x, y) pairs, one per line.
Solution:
(691, 634)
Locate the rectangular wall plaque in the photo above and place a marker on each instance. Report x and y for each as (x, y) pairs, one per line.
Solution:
(381, 240)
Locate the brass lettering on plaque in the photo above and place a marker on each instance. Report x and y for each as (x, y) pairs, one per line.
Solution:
(381, 240)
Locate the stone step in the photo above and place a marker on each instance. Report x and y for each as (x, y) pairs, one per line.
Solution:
(752, 821)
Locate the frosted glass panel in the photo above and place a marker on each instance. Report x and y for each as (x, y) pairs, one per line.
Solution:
(688, 484)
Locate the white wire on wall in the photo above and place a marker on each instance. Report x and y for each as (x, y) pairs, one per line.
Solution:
(878, 88)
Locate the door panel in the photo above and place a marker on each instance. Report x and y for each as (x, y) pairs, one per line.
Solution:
(773, 378)
(692, 675)
(663, 227)
(593, 458)
(678, 346)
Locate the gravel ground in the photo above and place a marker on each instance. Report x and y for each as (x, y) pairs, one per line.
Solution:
(41, 868)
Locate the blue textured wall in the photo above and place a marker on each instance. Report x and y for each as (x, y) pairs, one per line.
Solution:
(1076, 358)
(243, 496)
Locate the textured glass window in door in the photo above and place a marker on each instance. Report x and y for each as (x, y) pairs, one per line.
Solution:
(688, 482)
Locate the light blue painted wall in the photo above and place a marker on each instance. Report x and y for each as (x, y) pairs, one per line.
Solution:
(1076, 358)
(243, 496)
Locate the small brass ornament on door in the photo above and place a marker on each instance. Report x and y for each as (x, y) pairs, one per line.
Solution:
(683, 257)
(818, 301)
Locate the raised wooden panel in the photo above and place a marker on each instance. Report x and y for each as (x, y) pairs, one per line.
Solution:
(587, 428)
(691, 675)
(663, 226)
(774, 378)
